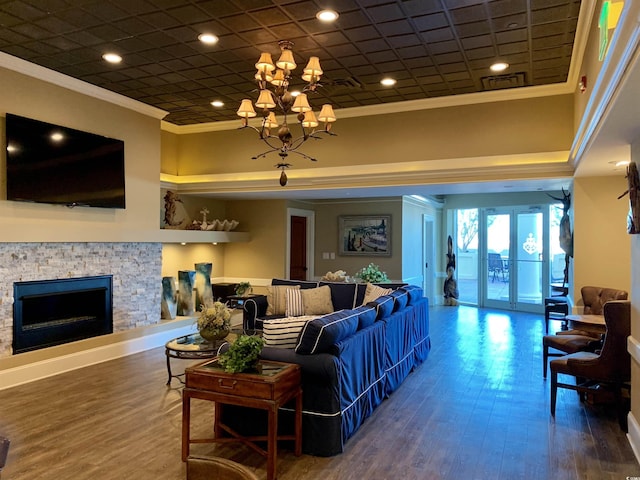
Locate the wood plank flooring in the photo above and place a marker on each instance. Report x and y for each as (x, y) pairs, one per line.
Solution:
(478, 408)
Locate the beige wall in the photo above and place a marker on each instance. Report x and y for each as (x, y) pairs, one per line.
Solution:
(327, 240)
(33, 98)
(177, 257)
(169, 153)
(264, 256)
(602, 247)
(501, 128)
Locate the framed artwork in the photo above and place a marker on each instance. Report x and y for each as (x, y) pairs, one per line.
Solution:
(365, 235)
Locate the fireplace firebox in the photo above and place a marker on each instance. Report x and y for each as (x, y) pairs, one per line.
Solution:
(53, 312)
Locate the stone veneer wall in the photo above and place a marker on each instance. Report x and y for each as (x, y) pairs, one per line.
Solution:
(136, 270)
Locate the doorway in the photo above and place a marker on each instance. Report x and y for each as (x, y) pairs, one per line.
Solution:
(300, 245)
(514, 271)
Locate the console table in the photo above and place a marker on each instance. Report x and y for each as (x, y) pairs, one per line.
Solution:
(273, 385)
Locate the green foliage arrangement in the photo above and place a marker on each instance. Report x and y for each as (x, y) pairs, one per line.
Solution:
(371, 273)
(242, 354)
(242, 288)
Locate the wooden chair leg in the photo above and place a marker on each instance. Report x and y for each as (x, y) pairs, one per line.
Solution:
(554, 392)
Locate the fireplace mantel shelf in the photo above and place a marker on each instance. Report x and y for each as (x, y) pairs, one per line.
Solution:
(198, 236)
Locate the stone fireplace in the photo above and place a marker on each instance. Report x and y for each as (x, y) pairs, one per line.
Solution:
(53, 312)
(135, 269)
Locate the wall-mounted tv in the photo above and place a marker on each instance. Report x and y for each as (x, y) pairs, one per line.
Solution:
(49, 163)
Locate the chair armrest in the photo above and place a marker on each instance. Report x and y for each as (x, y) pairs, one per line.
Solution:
(252, 310)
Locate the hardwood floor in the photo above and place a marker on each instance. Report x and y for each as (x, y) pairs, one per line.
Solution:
(478, 408)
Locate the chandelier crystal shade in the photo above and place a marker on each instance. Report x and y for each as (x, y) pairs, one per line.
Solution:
(273, 81)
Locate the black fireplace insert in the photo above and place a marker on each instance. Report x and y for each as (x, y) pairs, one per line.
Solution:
(53, 312)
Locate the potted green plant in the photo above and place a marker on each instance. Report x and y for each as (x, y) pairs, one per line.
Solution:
(372, 274)
(242, 354)
(243, 288)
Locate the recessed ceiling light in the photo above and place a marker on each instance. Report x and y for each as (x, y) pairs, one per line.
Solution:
(112, 57)
(327, 15)
(388, 82)
(208, 38)
(499, 66)
(57, 136)
(217, 103)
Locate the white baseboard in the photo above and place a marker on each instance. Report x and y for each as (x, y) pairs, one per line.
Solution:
(46, 368)
(633, 435)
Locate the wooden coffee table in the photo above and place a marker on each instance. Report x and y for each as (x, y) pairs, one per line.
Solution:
(268, 389)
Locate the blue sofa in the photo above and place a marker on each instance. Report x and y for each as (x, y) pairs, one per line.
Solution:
(351, 360)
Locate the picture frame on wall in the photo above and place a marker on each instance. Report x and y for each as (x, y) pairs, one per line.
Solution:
(364, 235)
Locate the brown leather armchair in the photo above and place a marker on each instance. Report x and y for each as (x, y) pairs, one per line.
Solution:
(572, 341)
(612, 366)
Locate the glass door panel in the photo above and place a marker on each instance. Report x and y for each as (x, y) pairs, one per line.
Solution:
(514, 261)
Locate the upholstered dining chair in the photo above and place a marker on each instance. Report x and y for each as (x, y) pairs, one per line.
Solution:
(199, 468)
(4, 451)
(610, 367)
(572, 341)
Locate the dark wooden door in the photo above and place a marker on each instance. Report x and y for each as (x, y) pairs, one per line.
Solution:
(298, 254)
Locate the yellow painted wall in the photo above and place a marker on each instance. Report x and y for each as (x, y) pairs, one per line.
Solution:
(501, 128)
(264, 256)
(602, 247)
(177, 257)
(169, 153)
(327, 213)
(33, 98)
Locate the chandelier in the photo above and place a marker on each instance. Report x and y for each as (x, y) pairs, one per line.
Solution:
(273, 83)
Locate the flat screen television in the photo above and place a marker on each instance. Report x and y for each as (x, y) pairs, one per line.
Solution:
(49, 163)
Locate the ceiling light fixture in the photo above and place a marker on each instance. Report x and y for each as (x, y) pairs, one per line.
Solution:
(112, 57)
(217, 103)
(499, 67)
(208, 38)
(327, 15)
(273, 84)
(388, 82)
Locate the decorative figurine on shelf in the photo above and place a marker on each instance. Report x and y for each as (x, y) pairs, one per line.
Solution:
(451, 293)
(214, 321)
(175, 215)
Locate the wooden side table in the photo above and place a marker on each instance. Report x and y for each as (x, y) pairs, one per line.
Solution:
(270, 388)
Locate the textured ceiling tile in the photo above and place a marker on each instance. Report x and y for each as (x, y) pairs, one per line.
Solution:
(519, 35)
(477, 42)
(398, 27)
(443, 47)
(431, 22)
(507, 7)
(512, 48)
(421, 7)
(474, 13)
(473, 29)
(23, 10)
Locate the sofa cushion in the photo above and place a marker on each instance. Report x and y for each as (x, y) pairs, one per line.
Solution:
(294, 307)
(276, 298)
(300, 283)
(400, 299)
(319, 335)
(383, 306)
(415, 293)
(284, 332)
(317, 301)
(343, 295)
(373, 291)
(366, 316)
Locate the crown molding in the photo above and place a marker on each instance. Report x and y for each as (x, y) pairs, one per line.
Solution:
(470, 169)
(506, 94)
(56, 78)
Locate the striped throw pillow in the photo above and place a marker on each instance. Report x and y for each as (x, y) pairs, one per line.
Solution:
(284, 332)
(294, 304)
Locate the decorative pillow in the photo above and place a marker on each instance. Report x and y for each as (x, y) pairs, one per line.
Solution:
(319, 335)
(294, 306)
(276, 298)
(343, 295)
(400, 299)
(415, 293)
(284, 332)
(317, 301)
(366, 316)
(373, 291)
(383, 306)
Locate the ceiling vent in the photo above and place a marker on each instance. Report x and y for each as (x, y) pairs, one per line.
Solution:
(342, 85)
(498, 82)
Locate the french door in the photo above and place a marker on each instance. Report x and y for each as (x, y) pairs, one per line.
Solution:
(514, 270)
